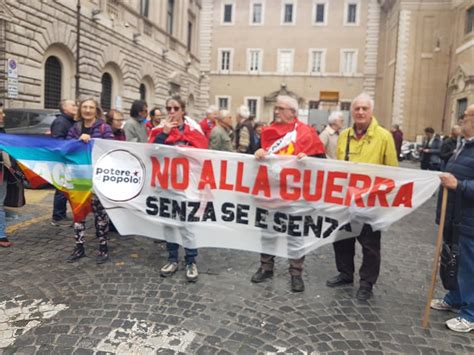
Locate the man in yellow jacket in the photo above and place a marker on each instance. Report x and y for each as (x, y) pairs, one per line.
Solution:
(365, 142)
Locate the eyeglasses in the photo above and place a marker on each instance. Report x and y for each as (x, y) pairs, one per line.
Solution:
(119, 119)
(279, 108)
(173, 108)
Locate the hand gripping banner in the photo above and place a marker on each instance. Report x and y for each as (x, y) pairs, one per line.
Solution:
(279, 205)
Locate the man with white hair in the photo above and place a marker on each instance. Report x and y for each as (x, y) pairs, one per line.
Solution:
(330, 134)
(208, 123)
(365, 142)
(222, 134)
(244, 132)
(459, 228)
(59, 129)
(287, 136)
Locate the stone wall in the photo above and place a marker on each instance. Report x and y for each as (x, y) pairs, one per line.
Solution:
(130, 48)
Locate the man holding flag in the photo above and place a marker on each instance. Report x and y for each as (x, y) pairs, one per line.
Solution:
(287, 136)
(365, 142)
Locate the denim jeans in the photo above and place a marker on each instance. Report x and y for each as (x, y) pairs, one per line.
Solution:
(190, 254)
(463, 297)
(3, 194)
(59, 205)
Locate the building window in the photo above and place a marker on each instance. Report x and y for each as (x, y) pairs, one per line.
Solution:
(52, 82)
(144, 6)
(351, 14)
(175, 89)
(255, 57)
(316, 61)
(285, 61)
(142, 90)
(190, 35)
(106, 93)
(313, 105)
(223, 103)
(256, 13)
(345, 105)
(252, 104)
(224, 60)
(470, 19)
(461, 108)
(288, 13)
(320, 15)
(228, 14)
(170, 17)
(348, 62)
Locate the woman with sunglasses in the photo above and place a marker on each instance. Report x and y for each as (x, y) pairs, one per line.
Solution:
(179, 130)
(91, 125)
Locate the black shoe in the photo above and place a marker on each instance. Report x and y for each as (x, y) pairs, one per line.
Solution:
(103, 255)
(261, 276)
(297, 284)
(78, 253)
(339, 280)
(364, 293)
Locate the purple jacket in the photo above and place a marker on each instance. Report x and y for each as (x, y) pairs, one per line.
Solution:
(100, 129)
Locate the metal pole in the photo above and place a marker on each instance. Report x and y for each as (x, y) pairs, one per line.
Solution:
(78, 46)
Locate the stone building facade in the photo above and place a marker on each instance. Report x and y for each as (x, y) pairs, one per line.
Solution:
(415, 57)
(322, 52)
(426, 63)
(129, 49)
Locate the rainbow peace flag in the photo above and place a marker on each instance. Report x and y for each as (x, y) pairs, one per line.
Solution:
(65, 164)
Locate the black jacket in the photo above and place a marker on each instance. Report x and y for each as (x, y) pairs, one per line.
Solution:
(61, 126)
(462, 167)
(447, 148)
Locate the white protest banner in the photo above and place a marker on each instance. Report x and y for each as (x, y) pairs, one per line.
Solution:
(279, 205)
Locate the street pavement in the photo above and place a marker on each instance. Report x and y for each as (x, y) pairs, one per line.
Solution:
(48, 306)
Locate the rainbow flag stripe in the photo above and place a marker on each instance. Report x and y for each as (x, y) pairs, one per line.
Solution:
(65, 164)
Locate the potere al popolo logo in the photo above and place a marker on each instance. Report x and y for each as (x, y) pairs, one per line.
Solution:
(119, 175)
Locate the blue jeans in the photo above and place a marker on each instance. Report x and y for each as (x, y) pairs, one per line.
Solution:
(190, 254)
(59, 205)
(463, 297)
(3, 194)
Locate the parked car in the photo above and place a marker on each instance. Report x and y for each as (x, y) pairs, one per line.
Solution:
(29, 121)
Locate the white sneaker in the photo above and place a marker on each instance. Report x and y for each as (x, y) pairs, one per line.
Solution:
(440, 305)
(192, 272)
(168, 269)
(460, 325)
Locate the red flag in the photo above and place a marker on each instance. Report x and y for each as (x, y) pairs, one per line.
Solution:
(188, 137)
(306, 139)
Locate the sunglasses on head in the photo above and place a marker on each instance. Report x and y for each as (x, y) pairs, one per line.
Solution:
(173, 108)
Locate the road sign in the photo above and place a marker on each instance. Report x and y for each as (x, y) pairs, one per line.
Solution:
(12, 68)
(12, 88)
(12, 92)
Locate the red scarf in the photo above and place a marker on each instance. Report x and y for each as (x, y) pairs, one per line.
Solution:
(307, 139)
(192, 137)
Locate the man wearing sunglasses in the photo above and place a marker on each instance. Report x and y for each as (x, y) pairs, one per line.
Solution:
(365, 142)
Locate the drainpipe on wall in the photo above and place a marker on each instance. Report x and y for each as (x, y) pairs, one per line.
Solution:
(445, 107)
(78, 46)
(395, 68)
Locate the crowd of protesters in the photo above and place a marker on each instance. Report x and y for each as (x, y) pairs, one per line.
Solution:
(365, 141)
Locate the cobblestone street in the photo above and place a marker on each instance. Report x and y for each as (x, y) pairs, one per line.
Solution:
(48, 306)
